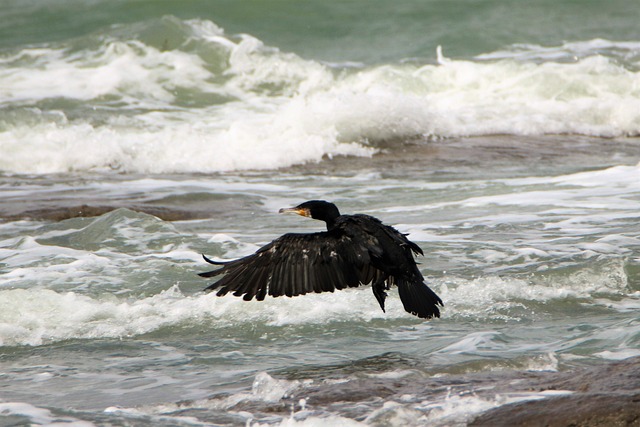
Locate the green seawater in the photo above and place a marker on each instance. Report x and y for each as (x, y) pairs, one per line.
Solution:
(351, 31)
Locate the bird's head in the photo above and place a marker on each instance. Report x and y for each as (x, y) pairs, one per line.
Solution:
(316, 209)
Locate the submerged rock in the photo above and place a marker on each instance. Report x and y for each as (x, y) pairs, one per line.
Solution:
(581, 409)
(59, 213)
(606, 395)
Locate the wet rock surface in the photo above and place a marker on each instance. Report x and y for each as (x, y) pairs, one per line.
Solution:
(604, 395)
(583, 409)
(607, 395)
(59, 213)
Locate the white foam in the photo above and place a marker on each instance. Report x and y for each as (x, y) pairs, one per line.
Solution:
(631, 303)
(543, 362)
(142, 415)
(472, 342)
(395, 374)
(35, 316)
(269, 389)
(40, 416)
(568, 51)
(452, 409)
(606, 193)
(130, 69)
(458, 409)
(249, 106)
(314, 421)
(501, 297)
(39, 316)
(618, 354)
(592, 190)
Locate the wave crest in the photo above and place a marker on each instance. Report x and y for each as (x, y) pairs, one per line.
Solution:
(183, 96)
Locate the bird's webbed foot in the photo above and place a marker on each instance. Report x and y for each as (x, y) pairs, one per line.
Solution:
(379, 288)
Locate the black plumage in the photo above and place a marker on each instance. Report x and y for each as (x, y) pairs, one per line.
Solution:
(355, 250)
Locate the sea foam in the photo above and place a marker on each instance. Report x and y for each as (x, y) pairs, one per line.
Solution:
(206, 101)
(39, 416)
(37, 316)
(41, 316)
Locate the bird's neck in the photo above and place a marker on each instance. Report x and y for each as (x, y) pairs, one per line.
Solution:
(331, 223)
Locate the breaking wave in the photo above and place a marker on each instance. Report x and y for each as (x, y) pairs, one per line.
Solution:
(173, 96)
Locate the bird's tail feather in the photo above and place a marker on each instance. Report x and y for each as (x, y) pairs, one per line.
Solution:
(419, 299)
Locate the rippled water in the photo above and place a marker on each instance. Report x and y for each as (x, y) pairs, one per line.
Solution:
(538, 272)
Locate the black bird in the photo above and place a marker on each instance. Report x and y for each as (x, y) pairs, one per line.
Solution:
(355, 250)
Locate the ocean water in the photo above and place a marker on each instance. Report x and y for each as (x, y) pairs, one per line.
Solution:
(503, 136)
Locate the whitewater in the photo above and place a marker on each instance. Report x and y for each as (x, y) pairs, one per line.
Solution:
(199, 100)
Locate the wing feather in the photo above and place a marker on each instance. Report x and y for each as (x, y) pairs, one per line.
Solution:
(261, 291)
(296, 264)
(277, 287)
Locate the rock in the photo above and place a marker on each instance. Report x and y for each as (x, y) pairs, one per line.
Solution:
(578, 410)
(605, 395)
(59, 213)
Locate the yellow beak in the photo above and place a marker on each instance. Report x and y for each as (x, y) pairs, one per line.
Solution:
(299, 211)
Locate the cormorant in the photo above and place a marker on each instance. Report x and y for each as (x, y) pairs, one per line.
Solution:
(355, 250)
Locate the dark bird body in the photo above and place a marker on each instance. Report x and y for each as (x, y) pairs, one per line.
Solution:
(355, 250)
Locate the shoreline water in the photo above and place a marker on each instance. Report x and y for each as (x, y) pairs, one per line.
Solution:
(605, 393)
(471, 386)
(499, 155)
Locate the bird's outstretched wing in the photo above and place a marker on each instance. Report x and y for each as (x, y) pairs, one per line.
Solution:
(296, 264)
